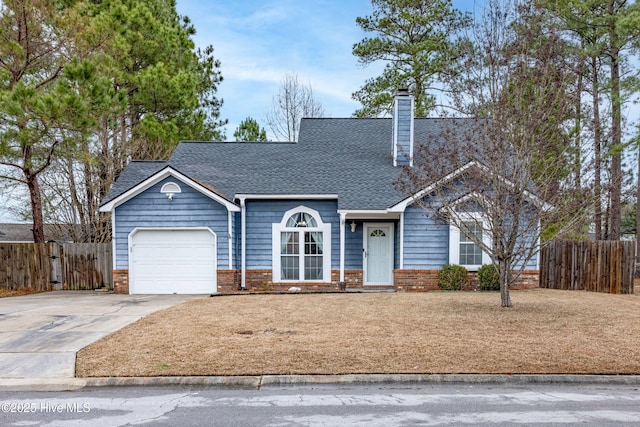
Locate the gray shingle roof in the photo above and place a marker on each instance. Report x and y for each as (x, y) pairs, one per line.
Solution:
(24, 232)
(135, 172)
(348, 157)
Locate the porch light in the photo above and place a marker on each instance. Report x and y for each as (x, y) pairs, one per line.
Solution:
(353, 226)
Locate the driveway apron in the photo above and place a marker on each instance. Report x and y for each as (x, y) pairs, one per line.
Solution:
(41, 333)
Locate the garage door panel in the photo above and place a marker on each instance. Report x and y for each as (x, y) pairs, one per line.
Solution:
(173, 261)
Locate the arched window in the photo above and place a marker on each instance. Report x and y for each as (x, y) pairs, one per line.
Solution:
(302, 219)
(301, 247)
(170, 188)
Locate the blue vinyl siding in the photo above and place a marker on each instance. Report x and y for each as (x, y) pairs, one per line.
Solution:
(237, 240)
(151, 209)
(353, 246)
(402, 128)
(426, 241)
(261, 214)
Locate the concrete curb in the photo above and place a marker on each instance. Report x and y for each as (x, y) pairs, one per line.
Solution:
(282, 380)
(41, 384)
(258, 381)
(229, 382)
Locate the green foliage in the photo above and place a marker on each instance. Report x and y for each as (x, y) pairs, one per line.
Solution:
(250, 131)
(162, 75)
(452, 277)
(416, 40)
(92, 85)
(489, 278)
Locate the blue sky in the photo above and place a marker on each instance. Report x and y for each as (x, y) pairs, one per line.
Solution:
(260, 41)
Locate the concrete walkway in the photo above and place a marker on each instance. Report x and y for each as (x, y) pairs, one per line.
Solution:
(41, 333)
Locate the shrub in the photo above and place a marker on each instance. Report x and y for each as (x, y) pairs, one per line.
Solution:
(452, 277)
(489, 278)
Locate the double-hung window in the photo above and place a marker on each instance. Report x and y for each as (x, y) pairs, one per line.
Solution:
(301, 247)
(463, 249)
(470, 252)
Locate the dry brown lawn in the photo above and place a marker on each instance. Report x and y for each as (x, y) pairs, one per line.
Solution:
(5, 293)
(547, 331)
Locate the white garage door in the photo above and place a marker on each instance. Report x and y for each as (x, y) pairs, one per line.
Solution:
(173, 262)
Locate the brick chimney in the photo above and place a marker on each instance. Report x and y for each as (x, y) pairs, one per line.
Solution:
(403, 108)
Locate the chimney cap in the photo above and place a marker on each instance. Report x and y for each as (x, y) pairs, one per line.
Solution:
(402, 91)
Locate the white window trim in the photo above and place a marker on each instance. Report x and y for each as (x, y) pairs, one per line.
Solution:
(454, 240)
(280, 227)
(170, 187)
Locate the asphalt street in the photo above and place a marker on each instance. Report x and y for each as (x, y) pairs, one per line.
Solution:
(328, 405)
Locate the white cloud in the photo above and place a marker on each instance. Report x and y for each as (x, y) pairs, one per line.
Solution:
(259, 42)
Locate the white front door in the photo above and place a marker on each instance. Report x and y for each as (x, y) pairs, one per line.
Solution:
(378, 254)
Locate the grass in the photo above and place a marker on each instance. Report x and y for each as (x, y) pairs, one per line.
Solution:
(547, 331)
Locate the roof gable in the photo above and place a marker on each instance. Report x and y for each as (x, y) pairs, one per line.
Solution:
(160, 175)
(401, 206)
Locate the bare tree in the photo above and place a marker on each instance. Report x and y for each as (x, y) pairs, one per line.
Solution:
(503, 177)
(293, 102)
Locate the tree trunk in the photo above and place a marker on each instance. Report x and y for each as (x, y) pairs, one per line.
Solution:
(638, 215)
(36, 206)
(505, 278)
(616, 132)
(31, 179)
(578, 160)
(597, 138)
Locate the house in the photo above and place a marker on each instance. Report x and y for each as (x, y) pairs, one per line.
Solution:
(23, 233)
(322, 213)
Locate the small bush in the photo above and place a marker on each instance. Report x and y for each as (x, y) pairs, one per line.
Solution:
(489, 278)
(452, 277)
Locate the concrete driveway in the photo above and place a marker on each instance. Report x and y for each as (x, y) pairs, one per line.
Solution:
(40, 334)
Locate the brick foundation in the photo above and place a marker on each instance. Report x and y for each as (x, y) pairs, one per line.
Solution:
(121, 281)
(427, 280)
(416, 280)
(229, 281)
(352, 278)
(261, 280)
(529, 279)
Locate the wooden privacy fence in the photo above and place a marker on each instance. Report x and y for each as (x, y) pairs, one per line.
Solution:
(54, 266)
(596, 266)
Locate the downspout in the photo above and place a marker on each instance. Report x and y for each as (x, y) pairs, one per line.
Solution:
(401, 226)
(343, 222)
(243, 243)
(113, 249)
(230, 228)
(538, 254)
